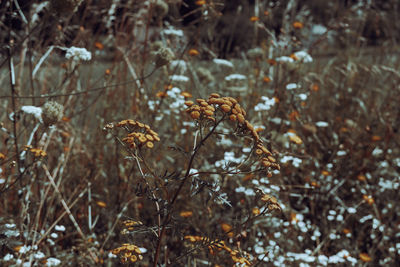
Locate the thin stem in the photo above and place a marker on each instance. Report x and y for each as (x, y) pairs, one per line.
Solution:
(187, 175)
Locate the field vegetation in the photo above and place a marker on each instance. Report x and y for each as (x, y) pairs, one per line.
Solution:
(199, 133)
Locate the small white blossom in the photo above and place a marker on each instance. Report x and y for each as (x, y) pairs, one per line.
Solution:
(223, 62)
(303, 56)
(235, 77)
(35, 111)
(172, 31)
(266, 105)
(52, 262)
(321, 124)
(77, 53)
(179, 78)
(291, 86)
(8, 257)
(60, 228)
(285, 59)
(318, 29)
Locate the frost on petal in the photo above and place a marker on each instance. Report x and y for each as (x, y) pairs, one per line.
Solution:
(77, 54)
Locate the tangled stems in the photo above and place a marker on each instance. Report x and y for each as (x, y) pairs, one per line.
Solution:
(187, 174)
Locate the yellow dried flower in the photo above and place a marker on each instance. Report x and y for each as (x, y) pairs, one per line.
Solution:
(259, 151)
(189, 103)
(233, 117)
(149, 137)
(225, 108)
(150, 144)
(215, 95)
(240, 118)
(101, 204)
(365, 257)
(142, 139)
(38, 152)
(256, 211)
(298, 25)
(193, 52)
(186, 214)
(195, 115)
(208, 112)
(161, 94)
(186, 94)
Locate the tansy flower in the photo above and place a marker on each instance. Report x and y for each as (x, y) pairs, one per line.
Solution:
(297, 25)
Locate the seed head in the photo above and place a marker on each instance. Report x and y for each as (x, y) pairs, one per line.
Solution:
(163, 57)
(52, 113)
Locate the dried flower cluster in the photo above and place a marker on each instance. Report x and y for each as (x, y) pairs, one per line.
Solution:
(37, 152)
(231, 109)
(140, 134)
(128, 252)
(271, 202)
(130, 224)
(219, 245)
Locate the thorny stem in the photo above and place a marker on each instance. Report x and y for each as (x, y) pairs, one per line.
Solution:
(187, 175)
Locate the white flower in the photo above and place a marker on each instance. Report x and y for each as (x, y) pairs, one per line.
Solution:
(303, 56)
(179, 78)
(8, 257)
(318, 29)
(268, 103)
(172, 31)
(321, 124)
(235, 77)
(295, 161)
(52, 262)
(303, 97)
(60, 228)
(223, 62)
(53, 235)
(77, 54)
(35, 111)
(285, 59)
(178, 65)
(291, 86)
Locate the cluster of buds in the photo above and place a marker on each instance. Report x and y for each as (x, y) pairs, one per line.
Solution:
(218, 245)
(205, 110)
(140, 134)
(128, 252)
